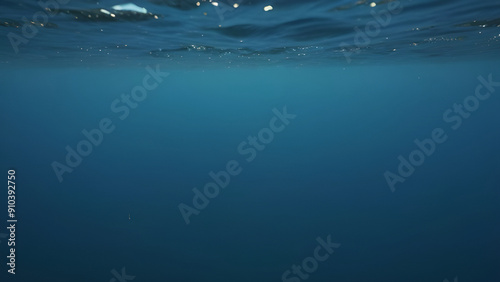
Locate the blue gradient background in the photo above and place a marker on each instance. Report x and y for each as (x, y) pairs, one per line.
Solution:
(322, 176)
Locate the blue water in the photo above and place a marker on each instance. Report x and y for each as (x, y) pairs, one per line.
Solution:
(323, 150)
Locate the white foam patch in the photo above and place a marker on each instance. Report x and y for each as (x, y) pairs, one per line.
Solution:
(130, 7)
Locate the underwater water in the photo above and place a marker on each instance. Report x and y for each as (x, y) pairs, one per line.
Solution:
(175, 140)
